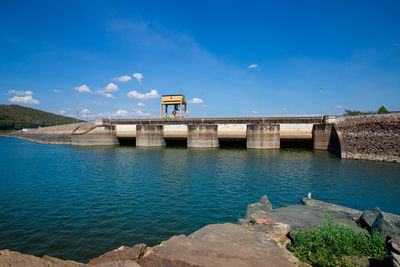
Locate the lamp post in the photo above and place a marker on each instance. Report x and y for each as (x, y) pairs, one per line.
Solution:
(77, 106)
(262, 106)
(320, 100)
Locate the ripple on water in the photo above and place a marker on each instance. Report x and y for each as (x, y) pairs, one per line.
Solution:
(77, 203)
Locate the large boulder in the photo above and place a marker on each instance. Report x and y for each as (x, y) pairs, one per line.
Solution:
(305, 217)
(123, 256)
(254, 210)
(117, 264)
(219, 245)
(394, 250)
(17, 259)
(348, 212)
(387, 224)
(368, 218)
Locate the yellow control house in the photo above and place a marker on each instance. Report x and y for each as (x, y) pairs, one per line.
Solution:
(178, 101)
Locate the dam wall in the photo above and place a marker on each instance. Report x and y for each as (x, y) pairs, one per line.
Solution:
(371, 137)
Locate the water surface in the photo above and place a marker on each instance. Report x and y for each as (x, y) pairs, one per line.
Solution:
(79, 202)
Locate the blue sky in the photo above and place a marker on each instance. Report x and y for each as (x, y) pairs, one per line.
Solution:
(230, 58)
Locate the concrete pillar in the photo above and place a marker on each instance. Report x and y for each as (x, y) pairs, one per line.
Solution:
(150, 135)
(328, 119)
(263, 136)
(321, 134)
(202, 135)
(99, 136)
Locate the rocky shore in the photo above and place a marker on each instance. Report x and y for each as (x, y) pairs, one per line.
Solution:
(260, 239)
(56, 135)
(371, 137)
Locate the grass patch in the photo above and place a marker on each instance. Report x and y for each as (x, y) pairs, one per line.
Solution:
(331, 244)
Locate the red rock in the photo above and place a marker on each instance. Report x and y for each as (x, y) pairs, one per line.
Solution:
(121, 254)
(219, 245)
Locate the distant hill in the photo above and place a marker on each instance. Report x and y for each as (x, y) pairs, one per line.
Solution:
(15, 117)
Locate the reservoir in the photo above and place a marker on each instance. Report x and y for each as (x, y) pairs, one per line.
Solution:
(79, 202)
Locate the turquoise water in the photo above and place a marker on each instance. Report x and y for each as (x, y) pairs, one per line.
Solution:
(79, 202)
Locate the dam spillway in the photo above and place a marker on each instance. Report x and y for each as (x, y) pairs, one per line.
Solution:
(254, 133)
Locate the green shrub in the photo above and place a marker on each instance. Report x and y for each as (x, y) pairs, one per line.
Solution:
(383, 110)
(329, 244)
(357, 112)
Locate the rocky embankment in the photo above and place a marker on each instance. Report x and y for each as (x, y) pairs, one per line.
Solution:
(60, 135)
(371, 137)
(258, 240)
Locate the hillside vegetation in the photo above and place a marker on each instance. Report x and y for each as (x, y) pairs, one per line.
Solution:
(15, 117)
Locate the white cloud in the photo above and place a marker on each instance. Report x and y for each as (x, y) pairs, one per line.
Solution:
(254, 112)
(24, 100)
(96, 103)
(196, 101)
(56, 91)
(141, 113)
(123, 78)
(141, 104)
(19, 92)
(150, 95)
(82, 89)
(253, 66)
(138, 77)
(85, 111)
(120, 113)
(111, 87)
(338, 106)
(62, 112)
(104, 93)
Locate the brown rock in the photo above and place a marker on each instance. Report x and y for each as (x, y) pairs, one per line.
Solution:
(220, 245)
(394, 250)
(17, 259)
(123, 253)
(118, 264)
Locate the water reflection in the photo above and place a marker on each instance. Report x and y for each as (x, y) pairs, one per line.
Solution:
(77, 202)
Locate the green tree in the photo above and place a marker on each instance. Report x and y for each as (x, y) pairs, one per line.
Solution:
(382, 110)
(356, 112)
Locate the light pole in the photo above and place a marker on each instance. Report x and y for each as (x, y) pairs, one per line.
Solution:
(77, 106)
(262, 106)
(320, 100)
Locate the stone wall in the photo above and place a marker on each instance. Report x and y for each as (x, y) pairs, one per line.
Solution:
(371, 137)
(54, 134)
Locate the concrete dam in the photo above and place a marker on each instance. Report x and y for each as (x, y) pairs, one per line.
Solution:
(253, 133)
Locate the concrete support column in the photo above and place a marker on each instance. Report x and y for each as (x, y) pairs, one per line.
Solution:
(150, 135)
(263, 136)
(202, 135)
(321, 134)
(99, 136)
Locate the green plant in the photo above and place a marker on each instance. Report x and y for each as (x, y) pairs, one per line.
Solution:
(382, 110)
(357, 112)
(330, 244)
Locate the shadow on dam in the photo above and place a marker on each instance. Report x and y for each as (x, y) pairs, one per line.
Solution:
(182, 142)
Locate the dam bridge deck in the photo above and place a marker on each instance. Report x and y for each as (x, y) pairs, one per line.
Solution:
(226, 120)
